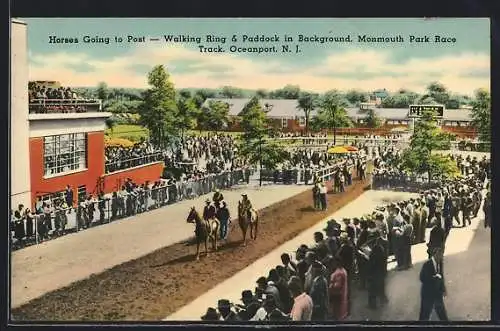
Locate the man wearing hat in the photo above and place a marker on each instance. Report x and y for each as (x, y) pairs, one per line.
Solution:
(332, 232)
(247, 297)
(319, 292)
(208, 211)
(211, 315)
(433, 288)
(218, 197)
(424, 216)
(224, 307)
(222, 214)
(302, 266)
(376, 271)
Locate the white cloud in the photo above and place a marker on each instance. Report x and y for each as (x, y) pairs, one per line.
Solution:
(344, 70)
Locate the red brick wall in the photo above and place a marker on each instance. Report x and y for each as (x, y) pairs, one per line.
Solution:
(89, 177)
(139, 175)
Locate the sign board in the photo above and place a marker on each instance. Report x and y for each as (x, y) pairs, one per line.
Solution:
(418, 110)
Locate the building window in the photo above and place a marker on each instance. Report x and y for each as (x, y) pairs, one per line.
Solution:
(284, 122)
(54, 197)
(82, 193)
(64, 153)
(302, 121)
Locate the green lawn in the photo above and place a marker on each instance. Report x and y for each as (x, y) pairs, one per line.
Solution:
(131, 132)
(134, 133)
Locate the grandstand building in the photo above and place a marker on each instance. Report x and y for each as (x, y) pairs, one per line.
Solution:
(287, 116)
(58, 142)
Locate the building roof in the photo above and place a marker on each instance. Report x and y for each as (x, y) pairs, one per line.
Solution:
(280, 107)
(288, 108)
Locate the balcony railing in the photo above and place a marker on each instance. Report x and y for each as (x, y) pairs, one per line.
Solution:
(54, 106)
(133, 162)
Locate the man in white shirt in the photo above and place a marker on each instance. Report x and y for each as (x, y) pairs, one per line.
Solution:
(322, 195)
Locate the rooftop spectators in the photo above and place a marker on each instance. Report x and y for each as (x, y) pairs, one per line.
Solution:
(44, 100)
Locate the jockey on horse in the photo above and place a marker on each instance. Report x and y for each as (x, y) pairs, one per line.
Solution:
(208, 211)
(246, 205)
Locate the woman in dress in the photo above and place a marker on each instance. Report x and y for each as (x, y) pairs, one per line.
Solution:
(338, 291)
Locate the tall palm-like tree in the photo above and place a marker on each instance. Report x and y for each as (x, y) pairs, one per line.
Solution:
(333, 111)
(307, 102)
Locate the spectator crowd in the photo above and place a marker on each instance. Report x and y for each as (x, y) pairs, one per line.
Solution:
(44, 99)
(317, 284)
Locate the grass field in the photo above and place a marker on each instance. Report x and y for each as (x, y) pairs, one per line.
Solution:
(134, 133)
(131, 132)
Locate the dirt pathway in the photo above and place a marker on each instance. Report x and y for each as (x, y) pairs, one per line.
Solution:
(156, 285)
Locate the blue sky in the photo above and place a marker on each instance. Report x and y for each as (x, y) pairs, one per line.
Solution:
(462, 66)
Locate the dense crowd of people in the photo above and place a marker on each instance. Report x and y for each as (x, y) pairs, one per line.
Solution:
(389, 174)
(56, 100)
(119, 158)
(193, 158)
(317, 285)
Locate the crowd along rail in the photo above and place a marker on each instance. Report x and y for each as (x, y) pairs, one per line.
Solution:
(55, 223)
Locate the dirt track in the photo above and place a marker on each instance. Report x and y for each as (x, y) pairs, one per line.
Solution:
(156, 285)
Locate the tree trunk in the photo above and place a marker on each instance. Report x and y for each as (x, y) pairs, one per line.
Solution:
(260, 162)
(334, 135)
(307, 113)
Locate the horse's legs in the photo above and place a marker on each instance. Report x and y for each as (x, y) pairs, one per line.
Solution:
(215, 238)
(206, 245)
(256, 224)
(197, 249)
(244, 229)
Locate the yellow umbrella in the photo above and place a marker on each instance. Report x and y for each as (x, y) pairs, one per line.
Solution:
(337, 150)
(351, 148)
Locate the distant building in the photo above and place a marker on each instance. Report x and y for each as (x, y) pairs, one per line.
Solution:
(285, 114)
(288, 117)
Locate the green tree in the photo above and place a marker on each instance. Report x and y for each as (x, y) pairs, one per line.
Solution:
(261, 93)
(437, 92)
(372, 119)
(201, 95)
(102, 91)
(307, 102)
(332, 113)
(159, 109)
(287, 92)
(453, 102)
(428, 137)
(188, 113)
(253, 143)
(355, 97)
(214, 117)
(481, 114)
(231, 92)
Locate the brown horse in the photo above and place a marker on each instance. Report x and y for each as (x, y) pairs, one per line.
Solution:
(245, 220)
(204, 231)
